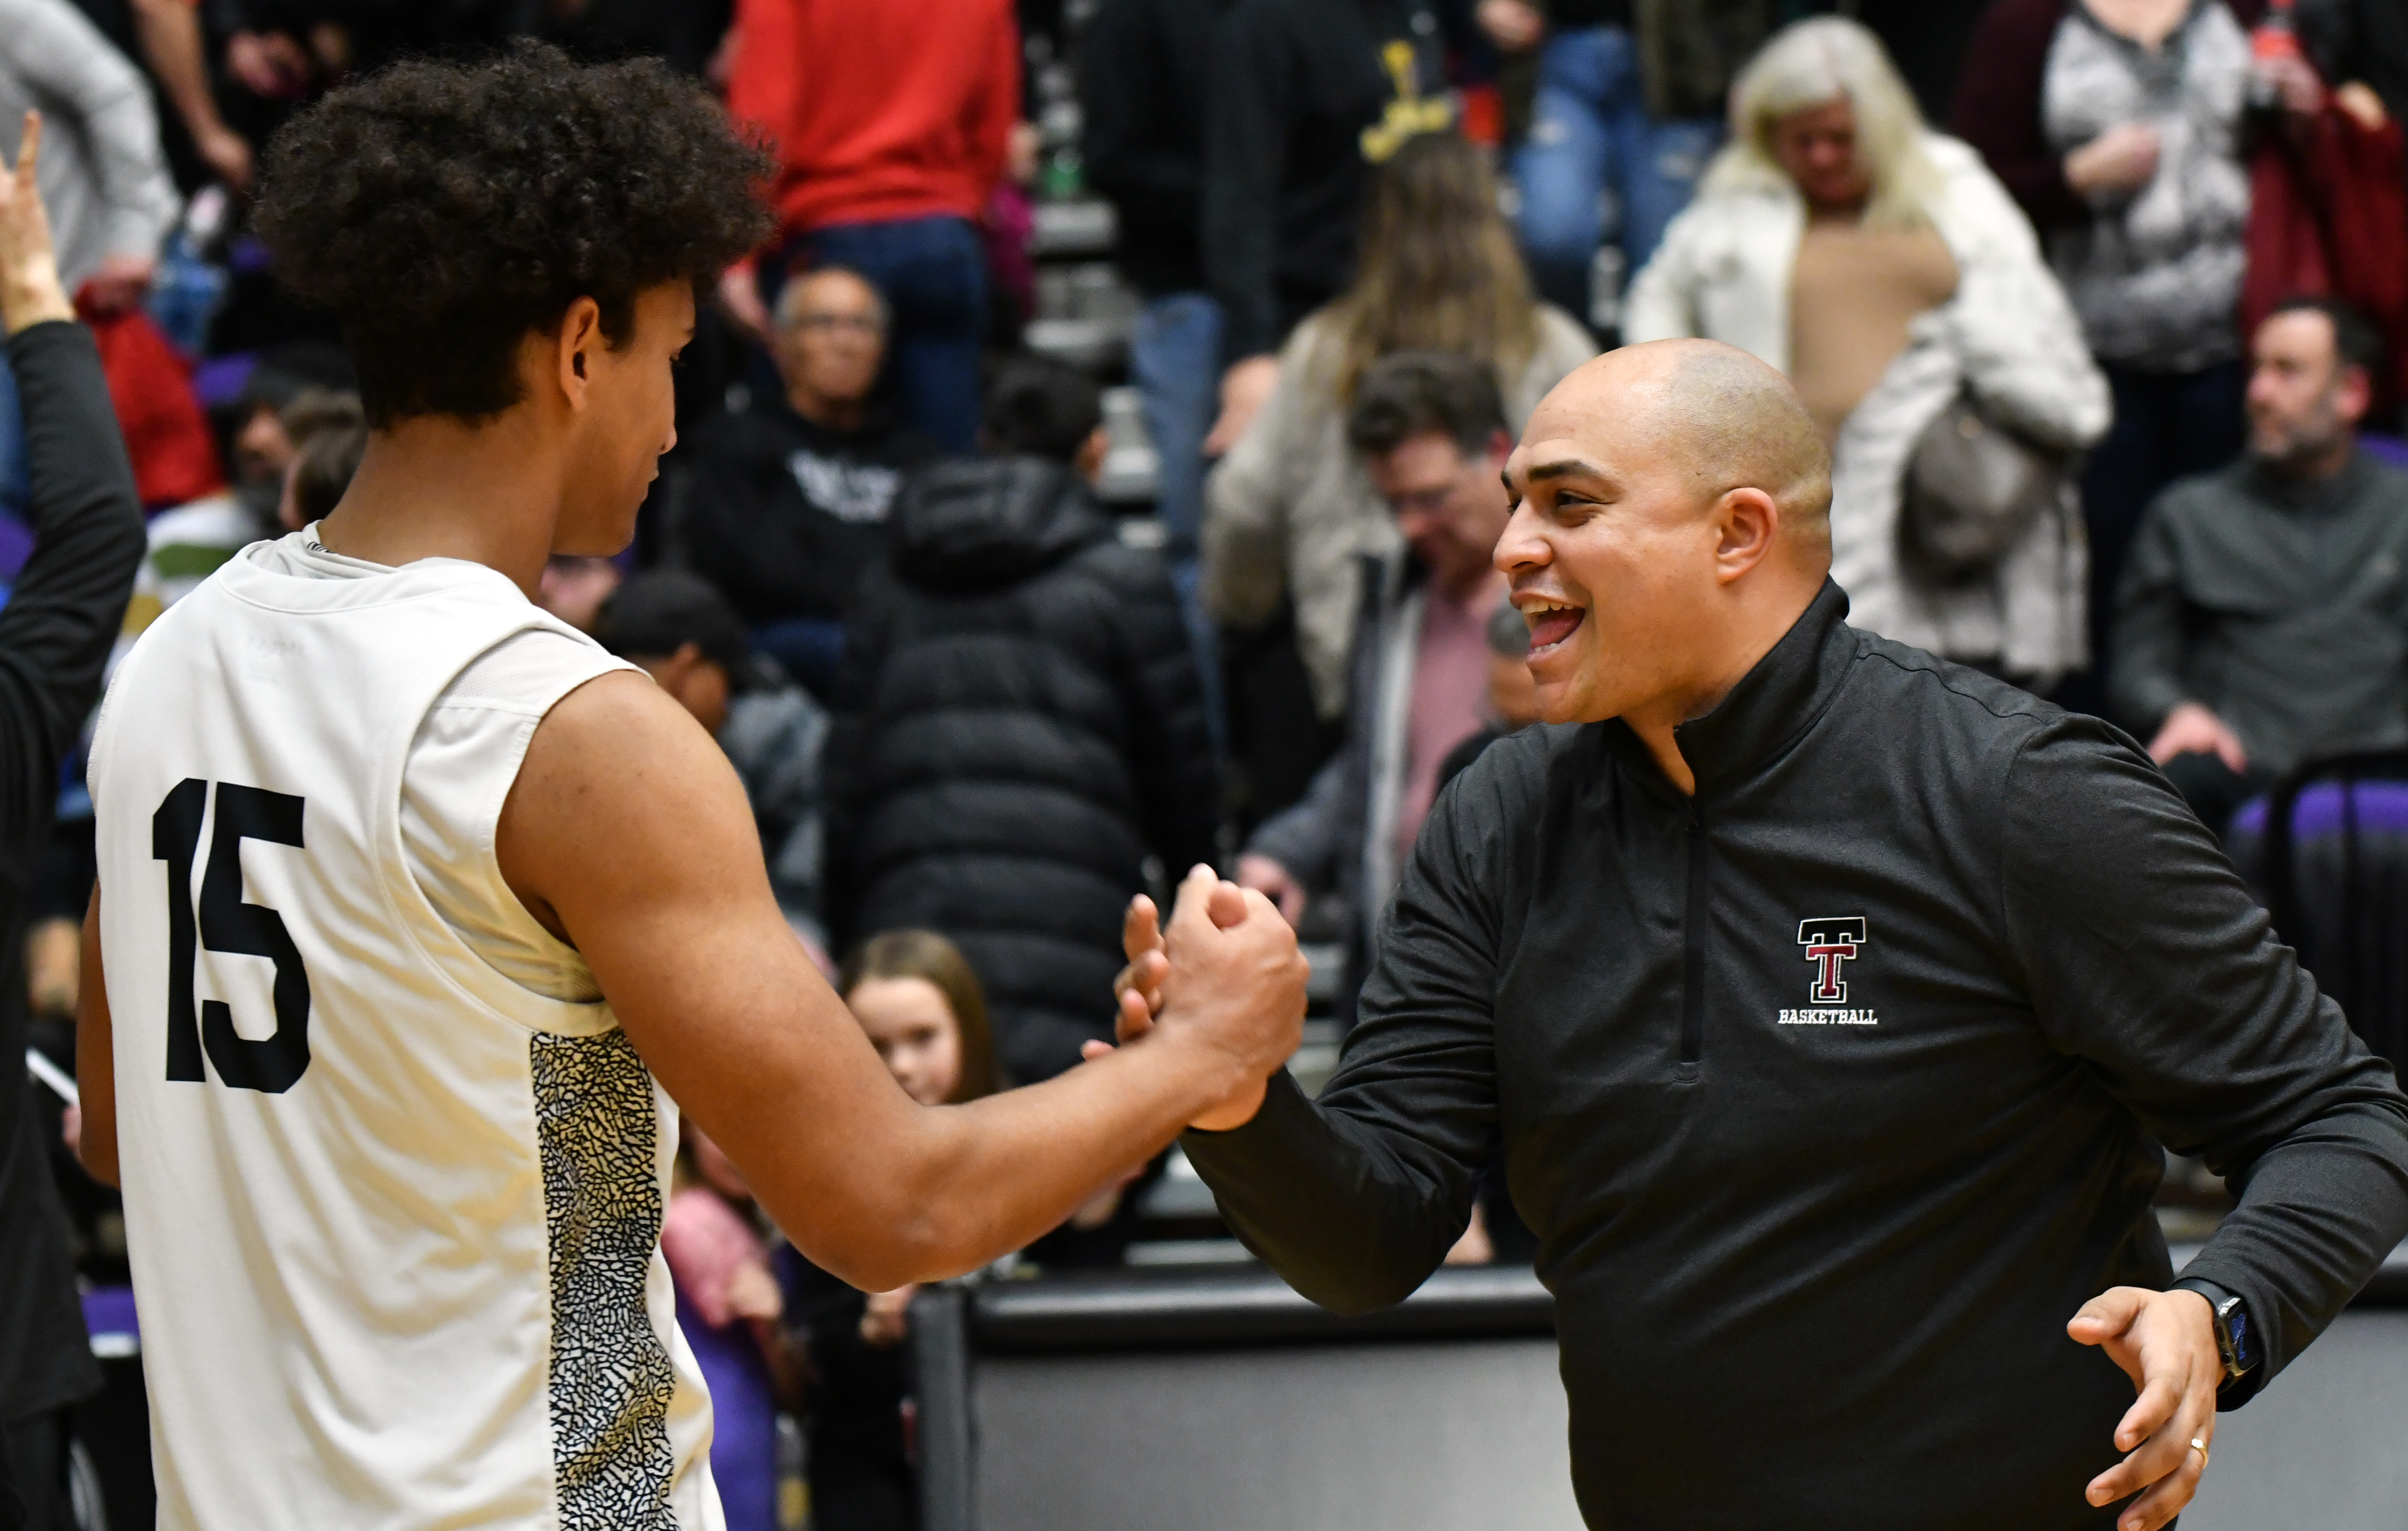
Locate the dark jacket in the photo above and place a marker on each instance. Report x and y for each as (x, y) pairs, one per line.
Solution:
(54, 636)
(776, 737)
(2281, 606)
(1143, 67)
(1021, 727)
(1322, 838)
(787, 517)
(1690, 51)
(1294, 83)
(858, 1457)
(1834, 1092)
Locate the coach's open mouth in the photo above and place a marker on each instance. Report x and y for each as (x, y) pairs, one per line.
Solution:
(1550, 623)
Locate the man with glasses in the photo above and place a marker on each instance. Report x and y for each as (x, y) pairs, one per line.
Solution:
(1431, 430)
(784, 505)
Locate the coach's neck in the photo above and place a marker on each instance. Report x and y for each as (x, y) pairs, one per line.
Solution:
(1755, 615)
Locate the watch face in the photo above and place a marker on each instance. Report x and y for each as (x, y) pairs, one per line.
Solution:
(2245, 1346)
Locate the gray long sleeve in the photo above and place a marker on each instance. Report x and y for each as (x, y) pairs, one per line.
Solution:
(1303, 836)
(2146, 683)
(104, 177)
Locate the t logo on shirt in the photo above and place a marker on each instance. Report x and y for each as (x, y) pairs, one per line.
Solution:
(1830, 942)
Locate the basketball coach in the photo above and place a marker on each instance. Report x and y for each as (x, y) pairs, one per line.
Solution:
(1831, 1005)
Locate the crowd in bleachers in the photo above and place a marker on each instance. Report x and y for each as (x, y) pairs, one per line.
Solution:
(1096, 472)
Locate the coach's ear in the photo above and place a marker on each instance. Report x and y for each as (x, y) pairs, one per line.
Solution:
(579, 336)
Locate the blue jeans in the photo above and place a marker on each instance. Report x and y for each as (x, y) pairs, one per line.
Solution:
(1590, 134)
(932, 272)
(1175, 360)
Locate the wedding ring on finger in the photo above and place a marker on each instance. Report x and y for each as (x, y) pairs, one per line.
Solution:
(2199, 1444)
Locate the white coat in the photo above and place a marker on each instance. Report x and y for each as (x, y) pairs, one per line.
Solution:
(2009, 335)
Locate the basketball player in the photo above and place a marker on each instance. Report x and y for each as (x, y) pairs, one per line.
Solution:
(420, 917)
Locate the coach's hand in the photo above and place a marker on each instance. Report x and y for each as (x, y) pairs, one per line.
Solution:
(2165, 1342)
(1228, 969)
(30, 293)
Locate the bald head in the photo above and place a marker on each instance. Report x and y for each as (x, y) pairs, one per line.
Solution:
(1674, 519)
(1719, 416)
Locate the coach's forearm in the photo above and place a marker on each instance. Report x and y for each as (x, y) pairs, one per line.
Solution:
(2318, 1214)
(1342, 1216)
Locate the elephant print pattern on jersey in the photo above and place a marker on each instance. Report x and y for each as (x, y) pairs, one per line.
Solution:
(611, 1378)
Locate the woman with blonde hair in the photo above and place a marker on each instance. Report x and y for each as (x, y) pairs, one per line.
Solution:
(1290, 509)
(1887, 273)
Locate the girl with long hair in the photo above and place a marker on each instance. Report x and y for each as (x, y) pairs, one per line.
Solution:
(1290, 509)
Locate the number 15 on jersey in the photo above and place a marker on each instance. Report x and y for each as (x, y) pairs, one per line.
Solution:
(228, 925)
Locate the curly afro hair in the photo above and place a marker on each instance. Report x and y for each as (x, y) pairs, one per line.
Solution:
(441, 211)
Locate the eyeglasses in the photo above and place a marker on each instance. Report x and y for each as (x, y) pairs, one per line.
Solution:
(821, 323)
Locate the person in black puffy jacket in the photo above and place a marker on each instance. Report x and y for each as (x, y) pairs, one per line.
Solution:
(1021, 742)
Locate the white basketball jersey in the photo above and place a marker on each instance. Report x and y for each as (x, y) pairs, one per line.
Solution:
(393, 1219)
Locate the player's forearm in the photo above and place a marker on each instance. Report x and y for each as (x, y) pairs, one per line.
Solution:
(975, 1182)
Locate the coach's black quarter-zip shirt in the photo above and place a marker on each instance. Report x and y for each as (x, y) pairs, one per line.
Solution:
(1832, 1092)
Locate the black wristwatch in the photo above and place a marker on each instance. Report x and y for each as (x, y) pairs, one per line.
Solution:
(2236, 1343)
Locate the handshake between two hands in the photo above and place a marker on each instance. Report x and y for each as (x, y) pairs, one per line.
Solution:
(1224, 974)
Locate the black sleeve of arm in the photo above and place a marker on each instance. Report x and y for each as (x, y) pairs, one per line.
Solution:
(69, 601)
(2146, 955)
(844, 773)
(1245, 143)
(1357, 1197)
(1178, 782)
(1131, 158)
(2146, 681)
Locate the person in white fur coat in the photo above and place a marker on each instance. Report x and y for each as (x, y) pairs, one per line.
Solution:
(1884, 270)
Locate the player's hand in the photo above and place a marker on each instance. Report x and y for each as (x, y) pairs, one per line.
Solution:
(2194, 729)
(2165, 1342)
(30, 293)
(1227, 949)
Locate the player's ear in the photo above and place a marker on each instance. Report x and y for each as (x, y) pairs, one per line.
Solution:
(579, 338)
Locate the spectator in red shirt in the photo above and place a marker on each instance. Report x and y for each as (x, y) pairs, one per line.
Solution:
(891, 122)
